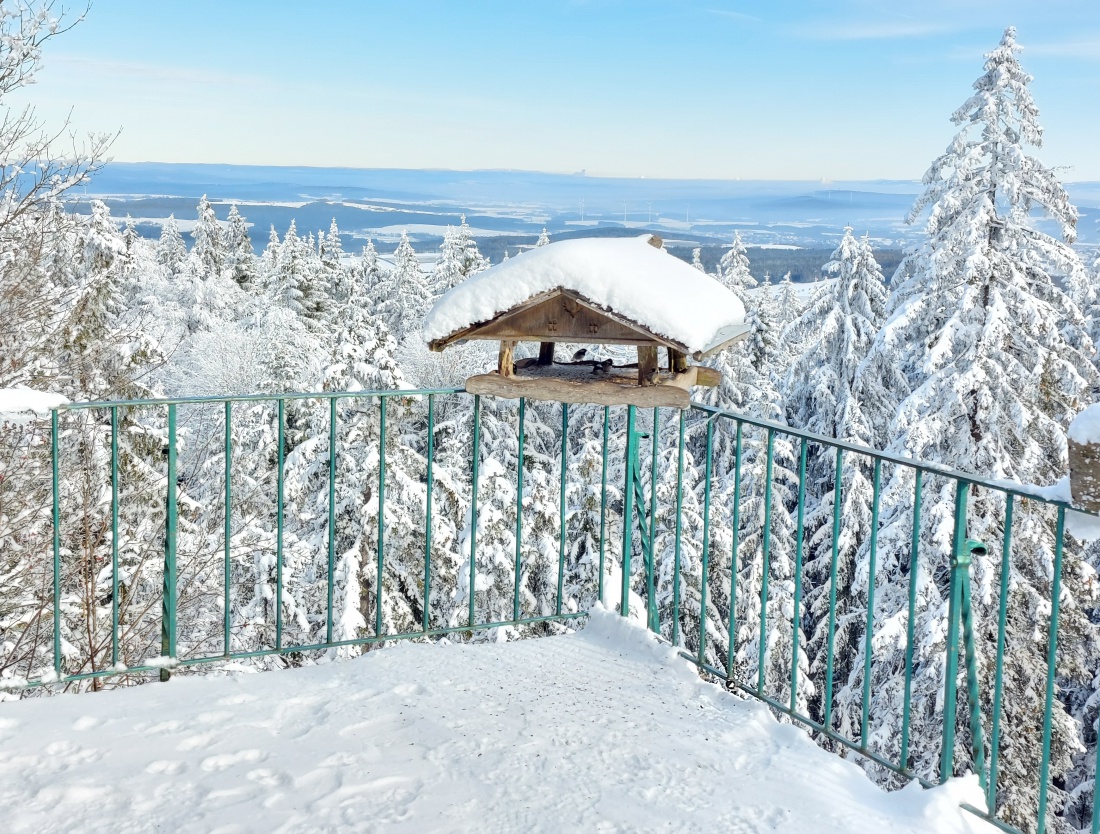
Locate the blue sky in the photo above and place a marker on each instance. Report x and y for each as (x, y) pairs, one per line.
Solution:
(847, 89)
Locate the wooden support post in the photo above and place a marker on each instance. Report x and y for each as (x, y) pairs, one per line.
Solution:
(647, 365)
(677, 362)
(546, 353)
(505, 360)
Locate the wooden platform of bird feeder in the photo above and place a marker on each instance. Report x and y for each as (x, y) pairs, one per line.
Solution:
(595, 291)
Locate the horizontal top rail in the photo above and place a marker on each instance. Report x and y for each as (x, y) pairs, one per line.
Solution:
(875, 454)
(310, 395)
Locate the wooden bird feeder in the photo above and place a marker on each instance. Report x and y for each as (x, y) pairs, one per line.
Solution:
(593, 291)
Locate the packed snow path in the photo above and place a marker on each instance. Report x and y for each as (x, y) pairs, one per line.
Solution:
(604, 730)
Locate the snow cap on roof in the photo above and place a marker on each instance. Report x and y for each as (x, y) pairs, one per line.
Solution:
(629, 276)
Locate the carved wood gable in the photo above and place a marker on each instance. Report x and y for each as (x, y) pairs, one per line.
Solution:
(563, 316)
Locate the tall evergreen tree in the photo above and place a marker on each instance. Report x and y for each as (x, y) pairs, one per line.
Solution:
(240, 259)
(995, 362)
(208, 252)
(171, 250)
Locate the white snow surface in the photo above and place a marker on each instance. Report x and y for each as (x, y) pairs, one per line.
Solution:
(19, 405)
(1085, 427)
(605, 730)
(627, 275)
(1083, 526)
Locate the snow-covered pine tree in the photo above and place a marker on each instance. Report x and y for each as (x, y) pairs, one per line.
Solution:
(240, 259)
(697, 259)
(402, 294)
(733, 268)
(459, 258)
(788, 305)
(996, 363)
(208, 252)
(370, 270)
(171, 250)
(544, 239)
(332, 268)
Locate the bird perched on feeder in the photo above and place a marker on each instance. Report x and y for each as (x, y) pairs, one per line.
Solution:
(653, 377)
(580, 354)
(602, 368)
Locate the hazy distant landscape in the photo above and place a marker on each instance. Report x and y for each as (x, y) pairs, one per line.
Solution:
(508, 209)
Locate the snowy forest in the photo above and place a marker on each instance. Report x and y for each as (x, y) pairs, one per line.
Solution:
(975, 354)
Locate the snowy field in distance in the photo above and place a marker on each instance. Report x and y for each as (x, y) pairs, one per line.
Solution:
(605, 730)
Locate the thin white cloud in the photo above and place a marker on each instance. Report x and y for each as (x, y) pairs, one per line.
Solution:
(1086, 50)
(860, 31)
(733, 15)
(151, 72)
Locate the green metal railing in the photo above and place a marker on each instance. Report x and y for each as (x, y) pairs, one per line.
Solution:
(676, 608)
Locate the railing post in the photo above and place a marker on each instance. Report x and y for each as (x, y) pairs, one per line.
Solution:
(54, 466)
(628, 509)
(651, 539)
(950, 682)
(966, 612)
(168, 601)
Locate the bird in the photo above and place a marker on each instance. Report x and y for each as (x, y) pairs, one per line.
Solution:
(580, 354)
(653, 377)
(602, 368)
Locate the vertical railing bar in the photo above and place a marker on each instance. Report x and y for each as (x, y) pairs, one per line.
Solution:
(114, 535)
(518, 570)
(381, 566)
(1052, 657)
(55, 466)
(706, 545)
(869, 629)
(796, 618)
(838, 497)
(998, 685)
(279, 512)
(628, 511)
(330, 584)
(168, 625)
(735, 534)
(679, 534)
(603, 501)
(227, 532)
(951, 671)
(910, 627)
(473, 505)
(426, 614)
(651, 572)
(561, 505)
(765, 553)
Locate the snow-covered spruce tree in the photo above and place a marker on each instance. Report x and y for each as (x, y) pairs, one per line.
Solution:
(788, 305)
(295, 279)
(402, 295)
(544, 239)
(829, 341)
(459, 258)
(733, 269)
(171, 250)
(208, 252)
(240, 259)
(369, 271)
(996, 363)
(697, 259)
(331, 252)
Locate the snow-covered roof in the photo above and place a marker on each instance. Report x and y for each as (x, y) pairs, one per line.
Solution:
(627, 276)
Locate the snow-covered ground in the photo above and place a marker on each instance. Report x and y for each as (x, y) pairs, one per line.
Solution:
(605, 730)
